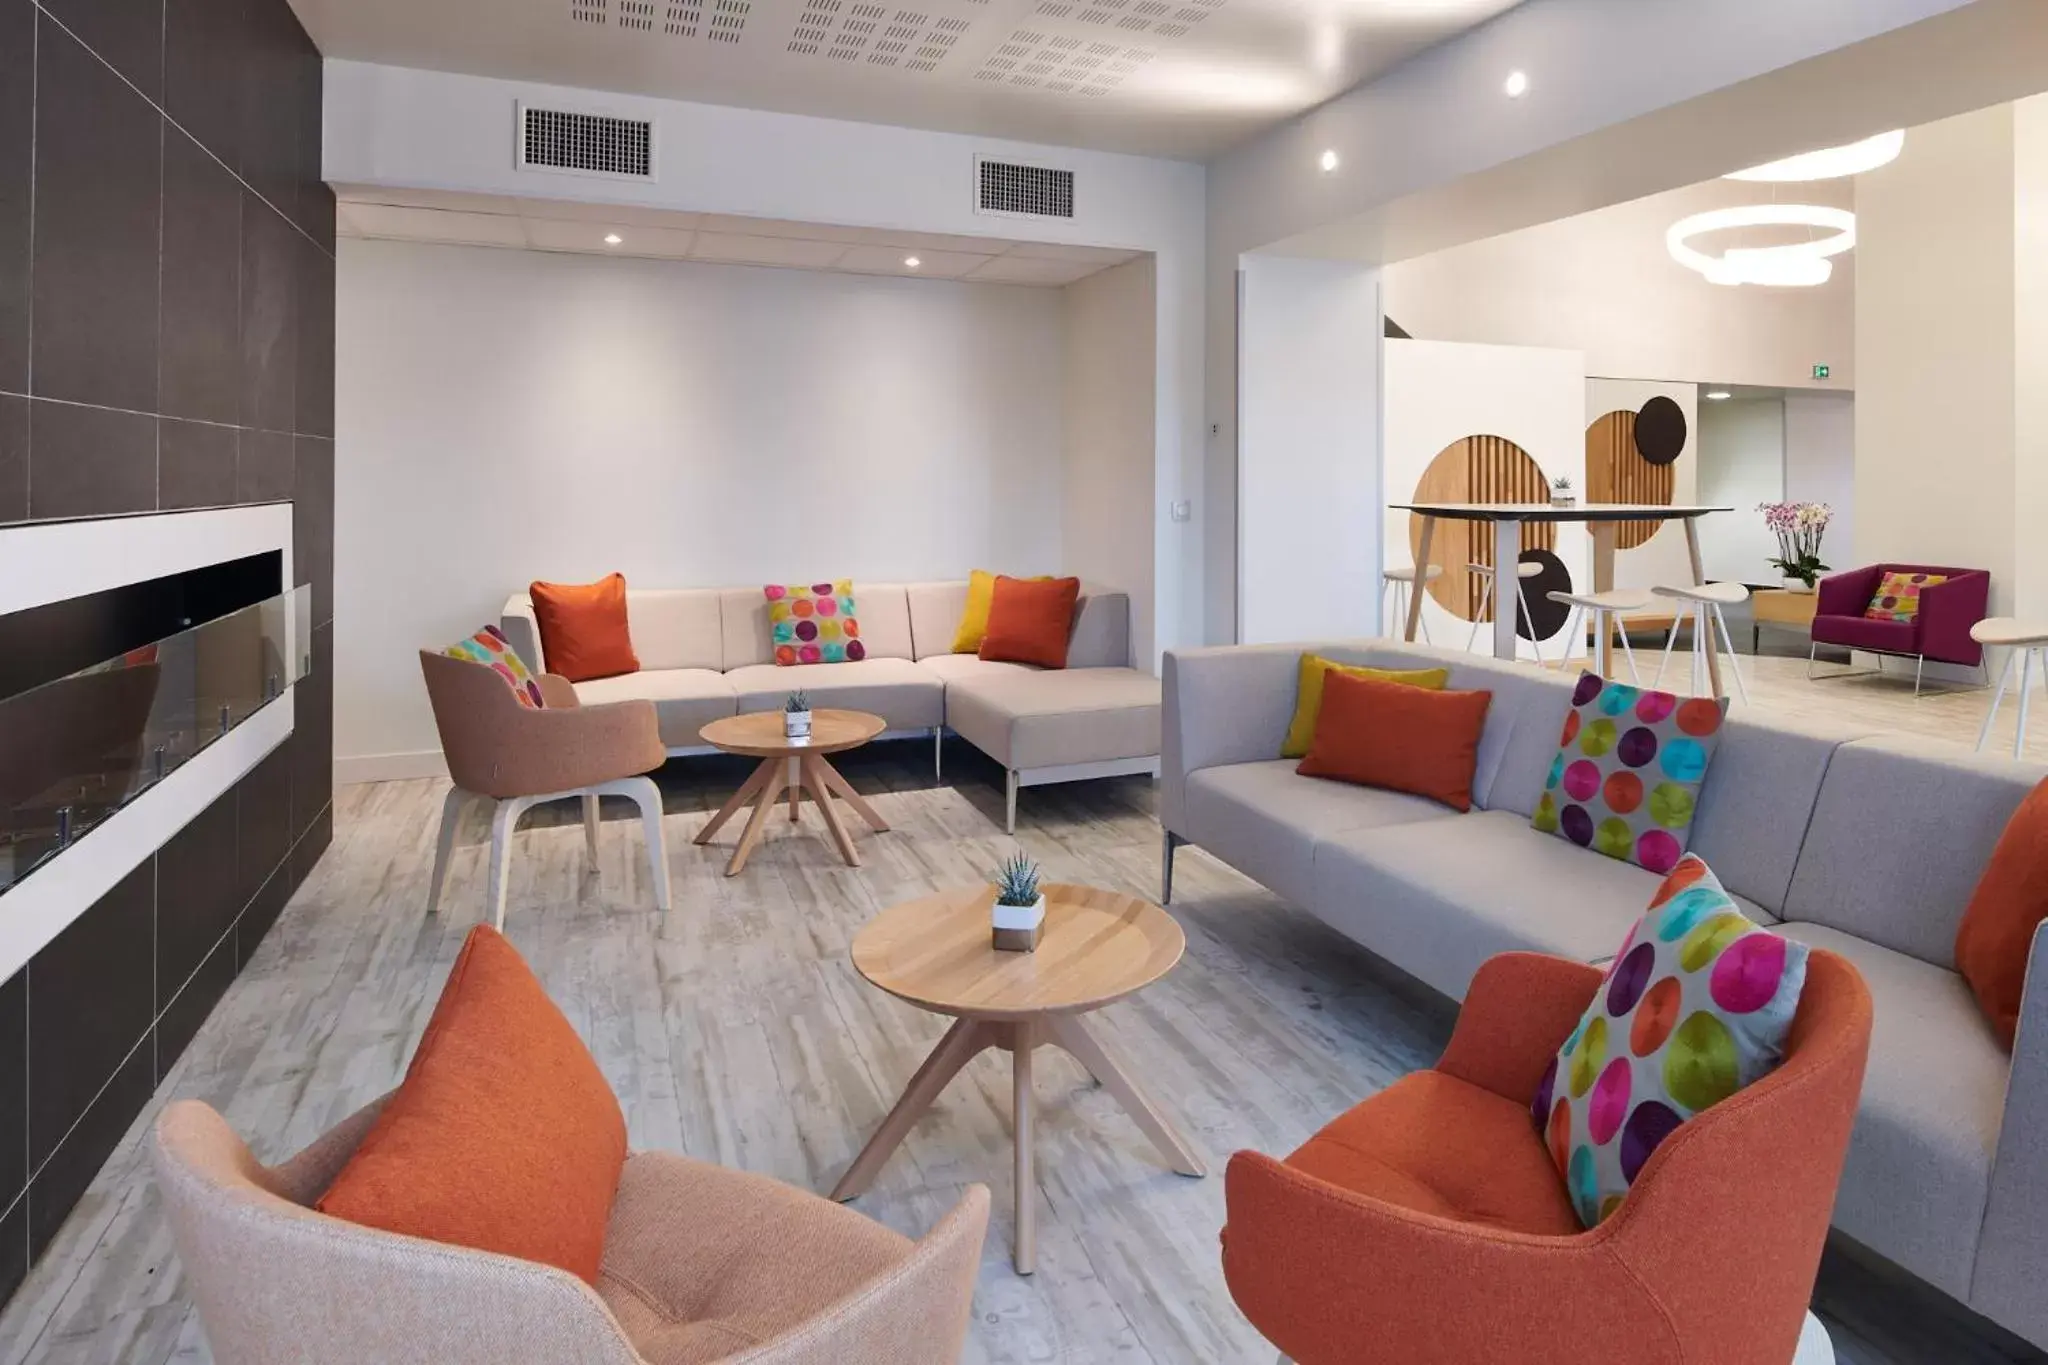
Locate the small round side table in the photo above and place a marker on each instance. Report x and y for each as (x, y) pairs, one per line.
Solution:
(795, 766)
(1097, 946)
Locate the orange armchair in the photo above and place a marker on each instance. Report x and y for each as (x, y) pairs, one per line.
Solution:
(1428, 1225)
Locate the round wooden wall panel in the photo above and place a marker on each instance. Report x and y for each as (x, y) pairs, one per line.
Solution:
(1617, 470)
(1476, 469)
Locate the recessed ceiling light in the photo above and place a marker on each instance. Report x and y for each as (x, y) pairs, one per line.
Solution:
(1718, 395)
(1328, 161)
(1517, 84)
(911, 263)
(613, 239)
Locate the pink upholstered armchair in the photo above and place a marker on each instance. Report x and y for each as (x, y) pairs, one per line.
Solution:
(1941, 632)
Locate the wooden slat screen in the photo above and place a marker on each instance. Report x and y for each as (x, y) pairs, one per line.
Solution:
(1476, 469)
(1617, 472)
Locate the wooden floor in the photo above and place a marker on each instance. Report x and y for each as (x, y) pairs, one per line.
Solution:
(735, 1030)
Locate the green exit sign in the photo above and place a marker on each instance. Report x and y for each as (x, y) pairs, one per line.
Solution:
(1821, 371)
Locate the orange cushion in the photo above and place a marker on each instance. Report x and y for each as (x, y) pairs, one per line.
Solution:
(2011, 900)
(583, 628)
(1439, 1145)
(1029, 621)
(504, 1136)
(1406, 739)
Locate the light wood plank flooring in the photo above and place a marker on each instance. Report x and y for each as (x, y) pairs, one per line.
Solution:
(734, 1029)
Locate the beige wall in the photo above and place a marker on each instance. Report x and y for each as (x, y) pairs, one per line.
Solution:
(1604, 283)
(1935, 343)
(1107, 483)
(2030, 357)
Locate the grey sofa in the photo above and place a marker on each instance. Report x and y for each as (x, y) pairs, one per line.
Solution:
(706, 653)
(1867, 846)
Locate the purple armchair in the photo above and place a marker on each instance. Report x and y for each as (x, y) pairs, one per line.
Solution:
(1941, 632)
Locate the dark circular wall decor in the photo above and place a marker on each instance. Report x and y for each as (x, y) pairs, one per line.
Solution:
(1660, 431)
(1549, 617)
(1475, 469)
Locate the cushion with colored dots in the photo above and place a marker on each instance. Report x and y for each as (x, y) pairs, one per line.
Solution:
(1629, 768)
(815, 624)
(490, 648)
(1898, 596)
(1697, 1004)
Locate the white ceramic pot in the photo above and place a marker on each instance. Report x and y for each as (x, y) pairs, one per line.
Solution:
(796, 724)
(1020, 917)
(1797, 585)
(1563, 500)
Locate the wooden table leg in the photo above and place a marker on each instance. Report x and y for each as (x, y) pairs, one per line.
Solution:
(840, 787)
(793, 778)
(1507, 561)
(1604, 536)
(749, 788)
(1073, 1035)
(1024, 1250)
(1699, 578)
(1421, 583)
(814, 779)
(770, 790)
(966, 1040)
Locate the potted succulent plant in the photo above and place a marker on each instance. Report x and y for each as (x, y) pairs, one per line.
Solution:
(1019, 911)
(1561, 494)
(796, 715)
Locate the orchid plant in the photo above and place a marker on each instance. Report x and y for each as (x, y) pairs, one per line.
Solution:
(1799, 527)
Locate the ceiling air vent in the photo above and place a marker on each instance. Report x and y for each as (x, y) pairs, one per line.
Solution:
(1017, 190)
(585, 144)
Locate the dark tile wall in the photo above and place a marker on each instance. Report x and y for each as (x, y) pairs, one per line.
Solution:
(166, 342)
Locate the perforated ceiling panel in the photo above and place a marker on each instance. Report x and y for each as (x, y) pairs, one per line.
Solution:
(1156, 17)
(876, 35)
(719, 21)
(1062, 63)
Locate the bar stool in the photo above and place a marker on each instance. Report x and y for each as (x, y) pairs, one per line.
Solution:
(1400, 582)
(2025, 640)
(1523, 572)
(1703, 602)
(1603, 608)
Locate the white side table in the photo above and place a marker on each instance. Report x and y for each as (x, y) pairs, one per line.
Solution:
(2025, 640)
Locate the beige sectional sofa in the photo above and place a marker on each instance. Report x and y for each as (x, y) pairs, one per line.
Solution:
(1867, 846)
(706, 653)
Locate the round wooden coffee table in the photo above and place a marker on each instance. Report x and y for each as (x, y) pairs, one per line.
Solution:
(795, 766)
(1098, 946)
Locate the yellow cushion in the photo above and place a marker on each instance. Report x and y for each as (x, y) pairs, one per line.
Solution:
(981, 593)
(1308, 697)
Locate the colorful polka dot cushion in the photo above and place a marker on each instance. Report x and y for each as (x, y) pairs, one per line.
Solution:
(815, 624)
(1627, 777)
(1898, 595)
(490, 648)
(1697, 1005)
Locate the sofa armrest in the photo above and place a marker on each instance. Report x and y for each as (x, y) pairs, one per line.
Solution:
(1519, 1011)
(523, 630)
(1848, 594)
(558, 692)
(1321, 1271)
(1101, 633)
(1947, 611)
(1223, 705)
(2014, 1243)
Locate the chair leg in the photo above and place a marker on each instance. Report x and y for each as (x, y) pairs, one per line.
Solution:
(1812, 650)
(1614, 624)
(1983, 735)
(938, 753)
(1670, 643)
(1010, 803)
(647, 796)
(590, 808)
(1479, 617)
(1572, 621)
(1535, 640)
(2019, 740)
(1172, 842)
(1919, 669)
(1734, 664)
(444, 848)
(504, 820)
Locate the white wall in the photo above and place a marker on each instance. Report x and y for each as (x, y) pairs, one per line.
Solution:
(395, 127)
(1309, 479)
(1438, 392)
(1107, 472)
(1935, 339)
(1820, 466)
(1604, 283)
(511, 415)
(1742, 463)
